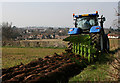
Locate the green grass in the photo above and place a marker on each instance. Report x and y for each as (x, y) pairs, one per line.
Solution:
(94, 72)
(12, 56)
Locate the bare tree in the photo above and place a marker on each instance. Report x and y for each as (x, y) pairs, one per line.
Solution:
(6, 31)
(9, 32)
(116, 22)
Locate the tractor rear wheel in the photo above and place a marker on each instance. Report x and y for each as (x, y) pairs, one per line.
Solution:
(97, 40)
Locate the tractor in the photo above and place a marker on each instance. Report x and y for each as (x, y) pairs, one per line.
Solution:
(87, 37)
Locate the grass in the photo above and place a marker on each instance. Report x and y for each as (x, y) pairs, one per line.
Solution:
(92, 73)
(12, 56)
(114, 43)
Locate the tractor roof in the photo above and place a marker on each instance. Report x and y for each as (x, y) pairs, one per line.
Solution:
(86, 15)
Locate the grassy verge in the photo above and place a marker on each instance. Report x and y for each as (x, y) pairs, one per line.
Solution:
(12, 56)
(94, 72)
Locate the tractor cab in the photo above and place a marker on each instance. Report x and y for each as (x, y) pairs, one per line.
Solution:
(86, 23)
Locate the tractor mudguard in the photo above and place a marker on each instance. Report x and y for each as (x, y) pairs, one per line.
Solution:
(73, 31)
(95, 29)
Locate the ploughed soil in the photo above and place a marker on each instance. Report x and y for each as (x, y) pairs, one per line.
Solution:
(51, 69)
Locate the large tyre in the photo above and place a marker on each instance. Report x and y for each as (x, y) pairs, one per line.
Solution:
(97, 40)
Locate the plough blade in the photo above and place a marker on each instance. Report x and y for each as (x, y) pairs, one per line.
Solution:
(81, 45)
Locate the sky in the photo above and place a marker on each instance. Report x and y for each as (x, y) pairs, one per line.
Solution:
(54, 14)
(59, 0)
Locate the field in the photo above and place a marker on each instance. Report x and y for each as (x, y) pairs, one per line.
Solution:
(96, 72)
(12, 56)
(114, 44)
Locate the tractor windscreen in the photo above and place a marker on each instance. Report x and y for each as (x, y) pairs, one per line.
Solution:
(86, 22)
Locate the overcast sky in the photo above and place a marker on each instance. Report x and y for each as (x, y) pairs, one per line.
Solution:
(56, 14)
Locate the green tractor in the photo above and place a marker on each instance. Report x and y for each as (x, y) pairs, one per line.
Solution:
(88, 37)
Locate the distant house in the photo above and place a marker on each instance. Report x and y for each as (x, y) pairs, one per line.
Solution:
(39, 36)
(31, 36)
(41, 30)
(115, 36)
(27, 31)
